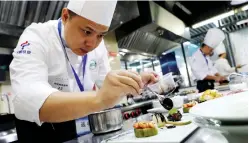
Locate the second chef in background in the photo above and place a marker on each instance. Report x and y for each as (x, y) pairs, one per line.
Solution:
(202, 66)
(222, 64)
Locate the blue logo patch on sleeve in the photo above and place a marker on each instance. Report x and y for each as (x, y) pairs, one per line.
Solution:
(23, 49)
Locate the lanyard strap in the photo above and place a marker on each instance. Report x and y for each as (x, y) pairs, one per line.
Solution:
(84, 59)
(204, 57)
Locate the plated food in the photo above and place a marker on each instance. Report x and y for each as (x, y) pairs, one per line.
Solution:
(174, 118)
(188, 106)
(174, 115)
(145, 129)
(209, 95)
(159, 119)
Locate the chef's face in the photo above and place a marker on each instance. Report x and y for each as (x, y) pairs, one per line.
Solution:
(81, 34)
(225, 55)
(208, 50)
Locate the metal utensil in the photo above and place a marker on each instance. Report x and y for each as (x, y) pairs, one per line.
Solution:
(166, 102)
(243, 65)
(106, 121)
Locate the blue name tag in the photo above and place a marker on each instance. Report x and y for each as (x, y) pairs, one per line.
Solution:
(82, 126)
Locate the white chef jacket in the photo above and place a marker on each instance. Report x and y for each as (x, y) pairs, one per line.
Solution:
(39, 68)
(223, 67)
(200, 67)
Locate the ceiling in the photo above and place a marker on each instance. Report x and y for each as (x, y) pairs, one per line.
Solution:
(16, 15)
(145, 42)
(191, 12)
(228, 24)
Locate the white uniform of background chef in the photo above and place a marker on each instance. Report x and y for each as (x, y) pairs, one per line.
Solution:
(54, 62)
(222, 64)
(201, 65)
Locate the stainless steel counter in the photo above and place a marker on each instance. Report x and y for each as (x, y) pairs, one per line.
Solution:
(200, 135)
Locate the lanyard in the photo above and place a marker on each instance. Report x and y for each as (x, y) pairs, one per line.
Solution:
(84, 59)
(204, 57)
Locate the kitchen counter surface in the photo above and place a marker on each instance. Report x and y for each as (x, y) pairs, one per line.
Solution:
(199, 135)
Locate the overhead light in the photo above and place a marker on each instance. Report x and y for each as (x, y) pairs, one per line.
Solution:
(214, 19)
(237, 2)
(183, 8)
(244, 8)
(164, 53)
(242, 22)
(124, 50)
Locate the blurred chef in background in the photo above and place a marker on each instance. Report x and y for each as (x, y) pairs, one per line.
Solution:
(202, 66)
(222, 64)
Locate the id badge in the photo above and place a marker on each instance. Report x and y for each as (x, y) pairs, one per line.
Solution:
(82, 126)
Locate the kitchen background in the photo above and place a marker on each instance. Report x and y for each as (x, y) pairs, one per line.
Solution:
(155, 36)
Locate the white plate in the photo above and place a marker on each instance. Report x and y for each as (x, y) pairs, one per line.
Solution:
(174, 135)
(227, 108)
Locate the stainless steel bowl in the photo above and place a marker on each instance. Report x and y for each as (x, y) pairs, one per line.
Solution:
(106, 121)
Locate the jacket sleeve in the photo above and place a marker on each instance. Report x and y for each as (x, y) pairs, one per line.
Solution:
(227, 67)
(29, 80)
(104, 66)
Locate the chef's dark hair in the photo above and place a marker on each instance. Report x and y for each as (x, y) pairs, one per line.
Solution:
(203, 45)
(220, 54)
(71, 14)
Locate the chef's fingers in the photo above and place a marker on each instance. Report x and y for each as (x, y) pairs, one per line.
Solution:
(136, 73)
(149, 78)
(131, 83)
(132, 75)
(131, 90)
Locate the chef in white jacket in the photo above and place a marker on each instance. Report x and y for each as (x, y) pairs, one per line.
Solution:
(54, 69)
(222, 64)
(201, 65)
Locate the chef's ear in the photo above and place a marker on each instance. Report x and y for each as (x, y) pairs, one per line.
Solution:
(64, 15)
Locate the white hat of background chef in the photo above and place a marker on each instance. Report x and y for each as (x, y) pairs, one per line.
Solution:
(100, 12)
(214, 37)
(220, 49)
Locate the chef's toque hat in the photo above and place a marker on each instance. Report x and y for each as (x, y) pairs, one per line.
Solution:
(100, 12)
(214, 37)
(220, 49)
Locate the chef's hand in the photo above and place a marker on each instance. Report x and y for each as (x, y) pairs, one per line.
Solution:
(149, 78)
(217, 78)
(116, 85)
(239, 66)
(222, 78)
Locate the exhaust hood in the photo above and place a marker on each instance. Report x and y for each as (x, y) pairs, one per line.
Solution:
(153, 31)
